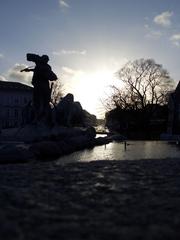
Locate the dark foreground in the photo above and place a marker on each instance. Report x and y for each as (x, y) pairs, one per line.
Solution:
(97, 200)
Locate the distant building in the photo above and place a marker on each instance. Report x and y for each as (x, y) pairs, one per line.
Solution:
(174, 112)
(14, 96)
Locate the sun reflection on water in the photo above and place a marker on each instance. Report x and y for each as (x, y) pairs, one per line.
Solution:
(134, 150)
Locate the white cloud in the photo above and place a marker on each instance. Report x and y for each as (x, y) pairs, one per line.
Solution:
(175, 39)
(63, 4)
(154, 34)
(69, 52)
(2, 78)
(151, 33)
(14, 74)
(1, 56)
(164, 19)
(69, 72)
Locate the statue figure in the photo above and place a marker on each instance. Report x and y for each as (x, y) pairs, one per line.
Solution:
(68, 112)
(42, 74)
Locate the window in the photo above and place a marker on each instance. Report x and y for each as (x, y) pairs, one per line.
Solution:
(16, 113)
(25, 100)
(16, 100)
(7, 113)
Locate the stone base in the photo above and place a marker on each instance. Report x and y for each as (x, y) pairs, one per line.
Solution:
(39, 142)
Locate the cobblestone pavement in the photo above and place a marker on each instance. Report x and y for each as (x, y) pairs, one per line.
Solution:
(96, 200)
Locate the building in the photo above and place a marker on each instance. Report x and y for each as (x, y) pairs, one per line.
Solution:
(174, 112)
(14, 97)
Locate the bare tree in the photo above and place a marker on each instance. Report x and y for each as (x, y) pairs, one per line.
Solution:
(144, 82)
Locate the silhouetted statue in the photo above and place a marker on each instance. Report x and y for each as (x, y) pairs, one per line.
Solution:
(40, 80)
(68, 112)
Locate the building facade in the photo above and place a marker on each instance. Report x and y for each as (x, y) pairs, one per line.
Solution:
(14, 97)
(174, 112)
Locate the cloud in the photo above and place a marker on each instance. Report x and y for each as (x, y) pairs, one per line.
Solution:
(164, 19)
(2, 78)
(14, 74)
(175, 39)
(63, 4)
(1, 56)
(154, 34)
(151, 33)
(69, 72)
(69, 52)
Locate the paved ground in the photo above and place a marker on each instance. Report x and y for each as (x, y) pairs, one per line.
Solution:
(97, 200)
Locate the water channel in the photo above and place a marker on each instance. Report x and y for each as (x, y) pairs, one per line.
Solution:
(134, 150)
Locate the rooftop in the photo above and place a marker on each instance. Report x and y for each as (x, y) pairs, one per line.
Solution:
(7, 85)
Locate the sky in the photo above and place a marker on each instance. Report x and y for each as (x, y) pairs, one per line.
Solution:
(88, 41)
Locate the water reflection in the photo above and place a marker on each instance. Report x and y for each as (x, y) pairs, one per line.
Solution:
(134, 150)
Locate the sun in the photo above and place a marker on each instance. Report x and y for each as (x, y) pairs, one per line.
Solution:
(90, 89)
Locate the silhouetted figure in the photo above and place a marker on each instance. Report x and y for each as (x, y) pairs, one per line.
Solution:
(68, 112)
(40, 80)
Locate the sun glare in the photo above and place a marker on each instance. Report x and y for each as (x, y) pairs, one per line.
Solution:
(90, 89)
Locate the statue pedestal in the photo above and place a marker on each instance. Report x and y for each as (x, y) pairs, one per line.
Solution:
(40, 142)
